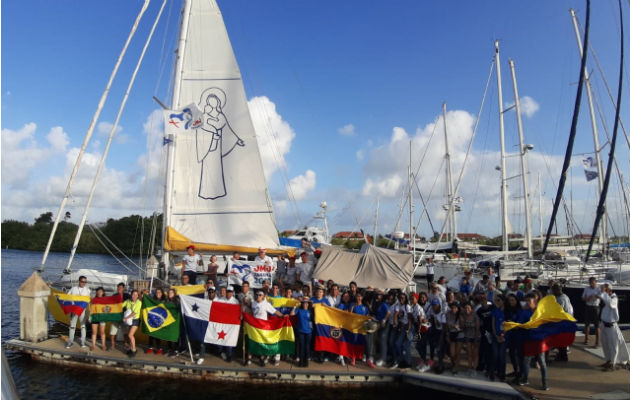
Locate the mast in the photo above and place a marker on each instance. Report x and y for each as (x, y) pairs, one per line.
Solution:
(572, 133)
(375, 221)
(540, 218)
(170, 154)
(504, 214)
(88, 135)
(109, 142)
(412, 241)
(603, 233)
(523, 150)
(449, 181)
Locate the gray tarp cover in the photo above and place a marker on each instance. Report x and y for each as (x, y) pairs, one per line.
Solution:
(373, 266)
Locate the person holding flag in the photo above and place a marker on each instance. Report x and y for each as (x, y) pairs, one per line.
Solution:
(99, 327)
(80, 290)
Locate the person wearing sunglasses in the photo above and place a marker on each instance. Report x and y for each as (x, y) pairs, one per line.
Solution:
(80, 290)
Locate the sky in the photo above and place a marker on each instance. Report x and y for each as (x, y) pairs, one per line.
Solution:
(340, 94)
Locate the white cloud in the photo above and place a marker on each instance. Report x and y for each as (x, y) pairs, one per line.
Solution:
(274, 135)
(302, 184)
(104, 128)
(347, 130)
(360, 154)
(21, 153)
(529, 106)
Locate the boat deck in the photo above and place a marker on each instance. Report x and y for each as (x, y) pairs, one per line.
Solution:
(214, 368)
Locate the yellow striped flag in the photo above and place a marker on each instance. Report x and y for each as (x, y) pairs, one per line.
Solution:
(270, 337)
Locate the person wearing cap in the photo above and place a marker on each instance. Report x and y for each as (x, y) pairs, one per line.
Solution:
(191, 263)
(304, 330)
(613, 344)
(435, 293)
(260, 309)
(227, 351)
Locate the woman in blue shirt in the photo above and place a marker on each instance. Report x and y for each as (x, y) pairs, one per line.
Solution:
(345, 303)
(304, 330)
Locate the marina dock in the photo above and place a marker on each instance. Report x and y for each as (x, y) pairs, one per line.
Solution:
(328, 374)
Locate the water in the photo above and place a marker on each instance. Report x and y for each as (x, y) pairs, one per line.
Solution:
(37, 380)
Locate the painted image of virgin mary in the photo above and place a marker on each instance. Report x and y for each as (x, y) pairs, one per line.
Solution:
(215, 140)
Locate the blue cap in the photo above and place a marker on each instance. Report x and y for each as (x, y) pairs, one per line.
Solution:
(435, 302)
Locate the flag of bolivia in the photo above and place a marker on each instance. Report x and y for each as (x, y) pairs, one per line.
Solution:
(106, 308)
(266, 338)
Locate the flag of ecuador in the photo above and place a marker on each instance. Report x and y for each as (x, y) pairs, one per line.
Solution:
(106, 308)
(339, 332)
(548, 327)
(72, 303)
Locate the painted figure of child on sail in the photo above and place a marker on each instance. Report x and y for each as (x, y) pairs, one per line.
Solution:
(215, 140)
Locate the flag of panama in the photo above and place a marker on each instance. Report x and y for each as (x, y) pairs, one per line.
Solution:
(211, 321)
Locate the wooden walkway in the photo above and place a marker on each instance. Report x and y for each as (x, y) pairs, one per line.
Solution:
(214, 368)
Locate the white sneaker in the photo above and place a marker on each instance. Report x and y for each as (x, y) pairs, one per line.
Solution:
(83, 346)
(394, 366)
(223, 356)
(69, 344)
(364, 359)
(379, 363)
(199, 361)
(425, 368)
(325, 359)
(341, 361)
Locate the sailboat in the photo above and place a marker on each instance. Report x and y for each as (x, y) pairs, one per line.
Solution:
(215, 196)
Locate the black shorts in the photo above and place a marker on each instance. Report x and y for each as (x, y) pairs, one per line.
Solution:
(135, 322)
(455, 336)
(591, 315)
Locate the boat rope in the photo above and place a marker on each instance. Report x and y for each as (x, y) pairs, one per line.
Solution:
(111, 137)
(613, 143)
(572, 134)
(88, 134)
(610, 95)
(108, 250)
(465, 162)
(619, 175)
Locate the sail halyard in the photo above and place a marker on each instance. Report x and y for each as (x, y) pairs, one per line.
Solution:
(216, 194)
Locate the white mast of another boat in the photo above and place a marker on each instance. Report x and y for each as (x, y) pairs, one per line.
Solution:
(504, 214)
(449, 182)
(88, 135)
(540, 218)
(603, 233)
(523, 152)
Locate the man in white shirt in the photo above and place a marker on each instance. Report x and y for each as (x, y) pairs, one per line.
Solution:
(263, 269)
(260, 308)
(191, 263)
(590, 296)
(80, 290)
(334, 297)
(304, 270)
(613, 344)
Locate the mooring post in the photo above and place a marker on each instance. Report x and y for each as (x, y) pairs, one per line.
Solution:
(34, 309)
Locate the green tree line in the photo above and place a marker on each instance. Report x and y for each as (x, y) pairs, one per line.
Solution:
(126, 233)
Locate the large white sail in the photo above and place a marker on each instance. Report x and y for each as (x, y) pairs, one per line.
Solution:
(216, 193)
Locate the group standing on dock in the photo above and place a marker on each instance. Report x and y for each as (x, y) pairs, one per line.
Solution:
(484, 320)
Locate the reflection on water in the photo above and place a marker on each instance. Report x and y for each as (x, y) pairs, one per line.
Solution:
(35, 380)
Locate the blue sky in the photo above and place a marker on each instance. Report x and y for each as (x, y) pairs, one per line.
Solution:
(351, 82)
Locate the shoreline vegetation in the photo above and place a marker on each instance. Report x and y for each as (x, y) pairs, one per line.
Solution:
(126, 233)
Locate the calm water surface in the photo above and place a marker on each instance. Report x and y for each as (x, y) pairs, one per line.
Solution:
(36, 380)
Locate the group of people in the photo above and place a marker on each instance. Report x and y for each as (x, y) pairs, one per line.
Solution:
(441, 324)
